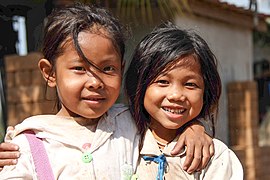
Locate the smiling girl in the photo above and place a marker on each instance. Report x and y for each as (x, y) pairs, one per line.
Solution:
(177, 82)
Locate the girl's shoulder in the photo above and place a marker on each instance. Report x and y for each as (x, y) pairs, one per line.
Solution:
(223, 152)
(35, 121)
(39, 122)
(224, 164)
(220, 147)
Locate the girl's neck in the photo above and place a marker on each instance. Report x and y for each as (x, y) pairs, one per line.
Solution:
(86, 122)
(79, 119)
(162, 135)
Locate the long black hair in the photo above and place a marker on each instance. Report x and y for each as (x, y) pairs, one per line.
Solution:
(160, 48)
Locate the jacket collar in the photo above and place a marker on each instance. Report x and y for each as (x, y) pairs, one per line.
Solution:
(150, 146)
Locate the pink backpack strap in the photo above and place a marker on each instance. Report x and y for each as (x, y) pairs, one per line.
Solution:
(39, 154)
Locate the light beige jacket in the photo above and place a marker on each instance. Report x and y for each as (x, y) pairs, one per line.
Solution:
(113, 148)
(224, 165)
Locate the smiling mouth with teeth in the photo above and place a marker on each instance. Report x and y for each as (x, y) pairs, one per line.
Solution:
(174, 111)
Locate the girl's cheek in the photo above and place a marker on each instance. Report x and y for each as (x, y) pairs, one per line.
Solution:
(196, 97)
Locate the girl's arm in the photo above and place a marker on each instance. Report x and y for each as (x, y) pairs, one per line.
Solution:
(9, 153)
(200, 147)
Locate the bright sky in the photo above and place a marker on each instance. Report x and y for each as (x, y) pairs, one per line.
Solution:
(263, 5)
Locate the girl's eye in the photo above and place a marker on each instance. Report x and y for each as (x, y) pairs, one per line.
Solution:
(162, 82)
(78, 68)
(193, 85)
(109, 69)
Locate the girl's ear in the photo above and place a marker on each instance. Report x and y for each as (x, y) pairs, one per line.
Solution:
(46, 70)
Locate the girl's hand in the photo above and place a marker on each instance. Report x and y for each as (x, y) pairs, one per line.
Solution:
(9, 153)
(200, 147)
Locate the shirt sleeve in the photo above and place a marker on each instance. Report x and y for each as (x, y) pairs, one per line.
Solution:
(224, 165)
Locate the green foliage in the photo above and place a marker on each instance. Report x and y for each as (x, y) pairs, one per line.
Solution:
(131, 9)
(168, 8)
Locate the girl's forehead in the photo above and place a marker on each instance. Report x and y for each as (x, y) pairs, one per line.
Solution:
(69, 43)
(97, 29)
(188, 61)
(94, 29)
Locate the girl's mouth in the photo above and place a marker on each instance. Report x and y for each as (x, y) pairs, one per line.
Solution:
(173, 110)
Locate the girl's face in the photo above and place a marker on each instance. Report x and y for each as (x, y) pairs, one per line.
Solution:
(82, 89)
(175, 97)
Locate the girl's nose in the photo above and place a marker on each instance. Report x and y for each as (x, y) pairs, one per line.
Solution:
(94, 82)
(176, 95)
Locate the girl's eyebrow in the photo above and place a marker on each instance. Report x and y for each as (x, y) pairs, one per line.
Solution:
(192, 75)
(109, 60)
(77, 60)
